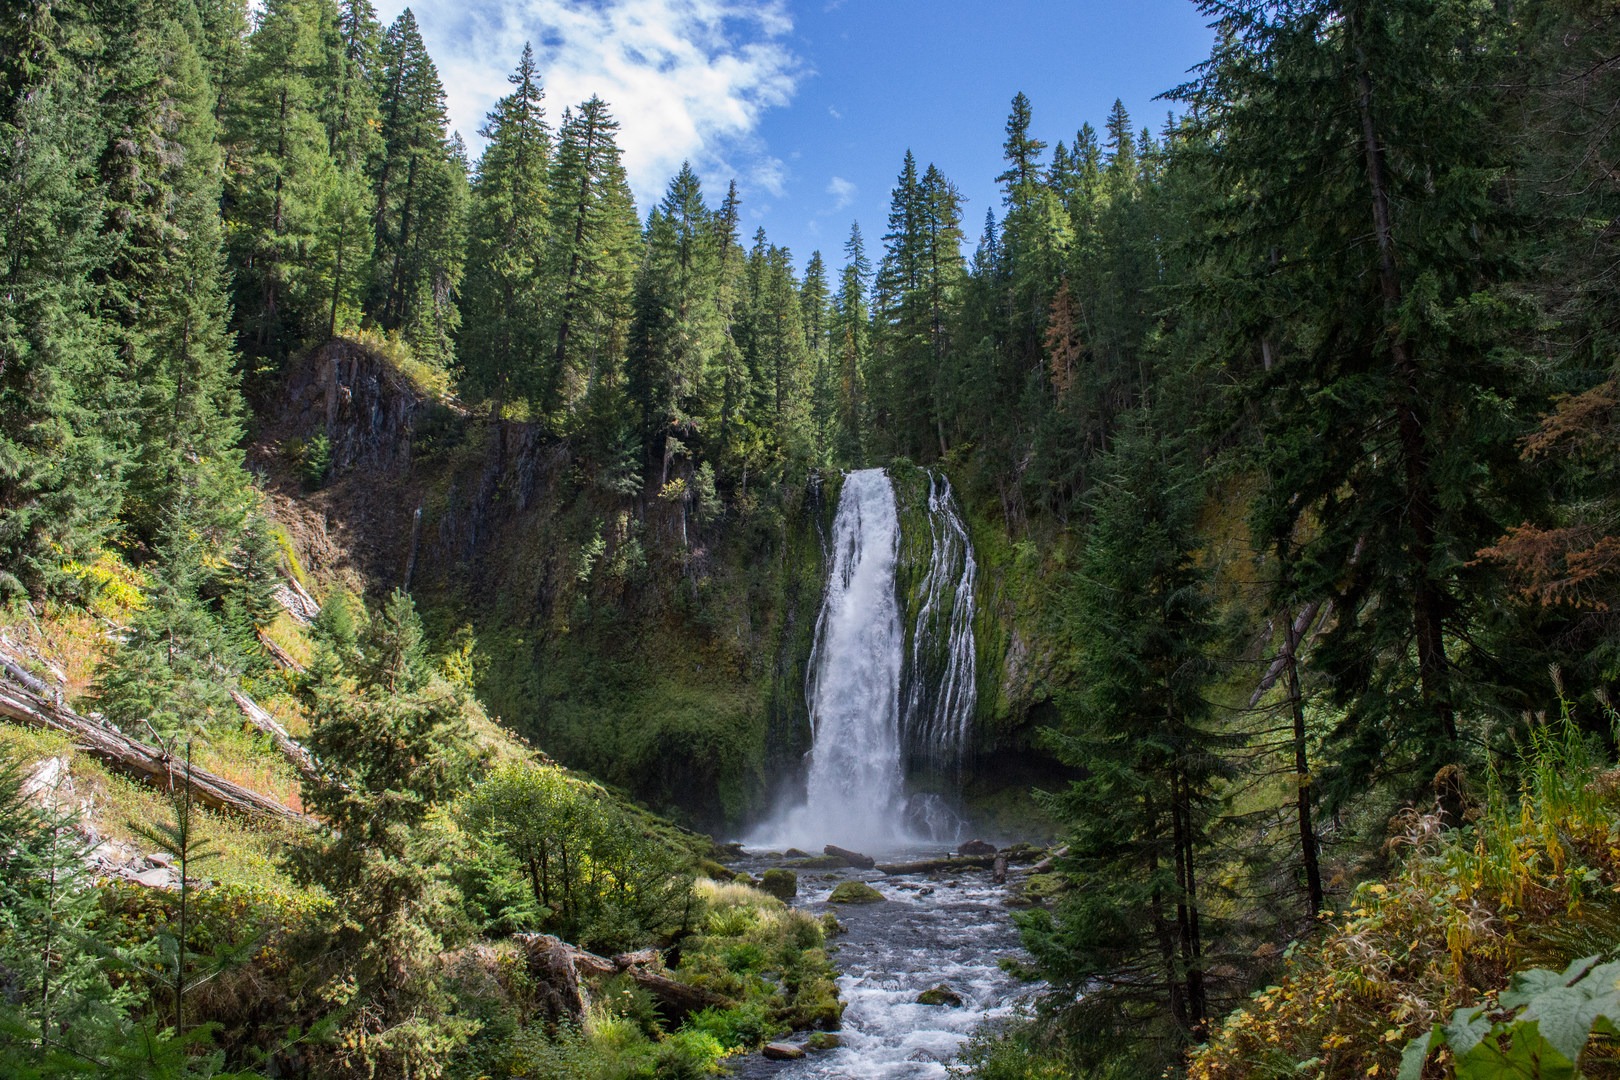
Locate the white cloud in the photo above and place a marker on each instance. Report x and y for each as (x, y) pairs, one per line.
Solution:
(842, 191)
(834, 113)
(686, 79)
(769, 174)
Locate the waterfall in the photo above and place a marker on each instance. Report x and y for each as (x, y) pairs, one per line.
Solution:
(854, 795)
(942, 689)
(853, 687)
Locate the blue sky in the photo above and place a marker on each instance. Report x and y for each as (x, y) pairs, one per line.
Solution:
(812, 105)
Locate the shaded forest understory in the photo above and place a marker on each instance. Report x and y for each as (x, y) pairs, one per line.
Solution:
(426, 496)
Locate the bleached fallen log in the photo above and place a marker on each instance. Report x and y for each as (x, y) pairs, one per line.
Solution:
(290, 748)
(148, 763)
(562, 967)
(1279, 663)
(299, 604)
(1045, 865)
(278, 654)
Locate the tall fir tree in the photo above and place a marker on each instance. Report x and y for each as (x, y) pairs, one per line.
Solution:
(677, 335)
(167, 283)
(419, 187)
(1124, 951)
(851, 348)
(277, 170)
(1360, 261)
(590, 273)
(60, 472)
(504, 303)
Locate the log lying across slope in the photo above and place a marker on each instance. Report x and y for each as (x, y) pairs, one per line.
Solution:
(137, 759)
(290, 748)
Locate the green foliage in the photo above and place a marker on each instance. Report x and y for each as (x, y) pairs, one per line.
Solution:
(743, 1027)
(314, 459)
(172, 673)
(592, 875)
(1554, 1014)
(393, 736)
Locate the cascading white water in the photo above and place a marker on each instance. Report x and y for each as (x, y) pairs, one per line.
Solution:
(859, 731)
(854, 794)
(943, 684)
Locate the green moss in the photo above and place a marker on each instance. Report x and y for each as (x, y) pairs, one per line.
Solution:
(782, 884)
(855, 892)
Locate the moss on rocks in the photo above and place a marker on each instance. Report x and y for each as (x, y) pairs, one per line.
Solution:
(855, 892)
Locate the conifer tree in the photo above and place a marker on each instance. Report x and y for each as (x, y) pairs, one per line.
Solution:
(343, 244)
(729, 386)
(391, 733)
(591, 269)
(814, 302)
(503, 305)
(166, 285)
(918, 284)
(172, 673)
(677, 334)
(279, 167)
(60, 474)
(1359, 281)
(1124, 950)
(420, 200)
(850, 345)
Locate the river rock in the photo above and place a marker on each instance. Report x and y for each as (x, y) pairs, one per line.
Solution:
(855, 892)
(795, 853)
(783, 1051)
(823, 1040)
(977, 847)
(940, 995)
(782, 884)
(854, 858)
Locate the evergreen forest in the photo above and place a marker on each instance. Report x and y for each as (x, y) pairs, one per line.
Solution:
(410, 560)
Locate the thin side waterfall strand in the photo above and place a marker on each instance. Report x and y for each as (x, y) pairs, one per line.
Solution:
(943, 673)
(854, 682)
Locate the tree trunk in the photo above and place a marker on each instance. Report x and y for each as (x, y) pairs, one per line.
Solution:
(561, 968)
(147, 763)
(1427, 601)
(290, 748)
(1302, 772)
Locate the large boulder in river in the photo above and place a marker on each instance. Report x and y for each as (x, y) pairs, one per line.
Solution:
(855, 892)
(940, 995)
(782, 884)
(977, 847)
(783, 1051)
(854, 858)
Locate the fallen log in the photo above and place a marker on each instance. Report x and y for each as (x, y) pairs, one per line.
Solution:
(1045, 865)
(147, 763)
(13, 668)
(854, 858)
(935, 866)
(290, 748)
(298, 603)
(278, 654)
(561, 968)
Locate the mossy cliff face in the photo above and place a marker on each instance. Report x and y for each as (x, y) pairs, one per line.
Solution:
(657, 643)
(1013, 696)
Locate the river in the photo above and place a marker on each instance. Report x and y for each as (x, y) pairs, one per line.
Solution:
(955, 934)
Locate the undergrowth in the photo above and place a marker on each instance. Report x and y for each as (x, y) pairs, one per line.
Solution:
(1531, 880)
